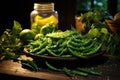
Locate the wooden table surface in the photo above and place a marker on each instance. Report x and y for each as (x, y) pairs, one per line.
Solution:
(10, 69)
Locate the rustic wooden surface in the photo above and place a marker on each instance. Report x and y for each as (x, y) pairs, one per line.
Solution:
(10, 69)
(14, 68)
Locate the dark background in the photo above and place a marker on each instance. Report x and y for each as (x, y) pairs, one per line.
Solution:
(20, 10)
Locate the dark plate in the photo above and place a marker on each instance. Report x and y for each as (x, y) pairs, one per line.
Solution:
(48, 57)
(60, 58)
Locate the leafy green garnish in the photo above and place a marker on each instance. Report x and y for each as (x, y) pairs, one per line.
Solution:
(10, 43)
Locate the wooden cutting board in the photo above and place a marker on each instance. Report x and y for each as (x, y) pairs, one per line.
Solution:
(110, 69)
(14, 68)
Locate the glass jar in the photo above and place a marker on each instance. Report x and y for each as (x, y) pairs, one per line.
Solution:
(43, 14)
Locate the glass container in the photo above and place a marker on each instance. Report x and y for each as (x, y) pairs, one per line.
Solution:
(43, 14)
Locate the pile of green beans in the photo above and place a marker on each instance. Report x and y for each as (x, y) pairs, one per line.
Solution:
(73, 72)
(64, 44)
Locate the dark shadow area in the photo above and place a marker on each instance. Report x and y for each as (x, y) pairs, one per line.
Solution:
(13, 77)
(20, 10)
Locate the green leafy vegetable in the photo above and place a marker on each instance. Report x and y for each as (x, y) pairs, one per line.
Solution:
(10, 43)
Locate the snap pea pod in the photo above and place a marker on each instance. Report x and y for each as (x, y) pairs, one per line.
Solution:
(66, 56)
(86, 70)
(72, 73)
(93, 50)
(40, 47)
(80, 42)
(42, 51)
(64, 44)
(85, 54)
(30, 64)
(52, 67)
(80, 36)
(59, 42)
(60, 49)
(63, 51)
(75, 53)
(96, 44)
(76, 37)
(80, 73)
(81, 48)
(68, 72)
(85, 36)
(73, 47)
(52, 53)
(59, 35)
(56, 48)
(52, 47)
(34, 44)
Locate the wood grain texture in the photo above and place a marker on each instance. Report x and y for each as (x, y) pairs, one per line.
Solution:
(14, 68)
(11, 70)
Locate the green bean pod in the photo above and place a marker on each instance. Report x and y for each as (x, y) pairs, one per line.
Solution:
(52, 67)
(42, 51)
(80, 73)
(52, 53)
(59, 42)
(44, 44)
(63, 51)
(75, 53)
(66, 56)
(89, 71)
(92, 50)
(80, 42)
(60, 49)
(81, 48)
(68, 72)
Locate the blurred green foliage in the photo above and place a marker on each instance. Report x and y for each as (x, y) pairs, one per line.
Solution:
(85, 5)
(118, 5)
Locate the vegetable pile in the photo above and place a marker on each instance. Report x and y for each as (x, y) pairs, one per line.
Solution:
(48, 41)
(102, 26)
(74, 72)
(65, 44)
(57, 43)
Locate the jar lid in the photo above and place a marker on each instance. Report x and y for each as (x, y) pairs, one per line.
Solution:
(44, 6)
